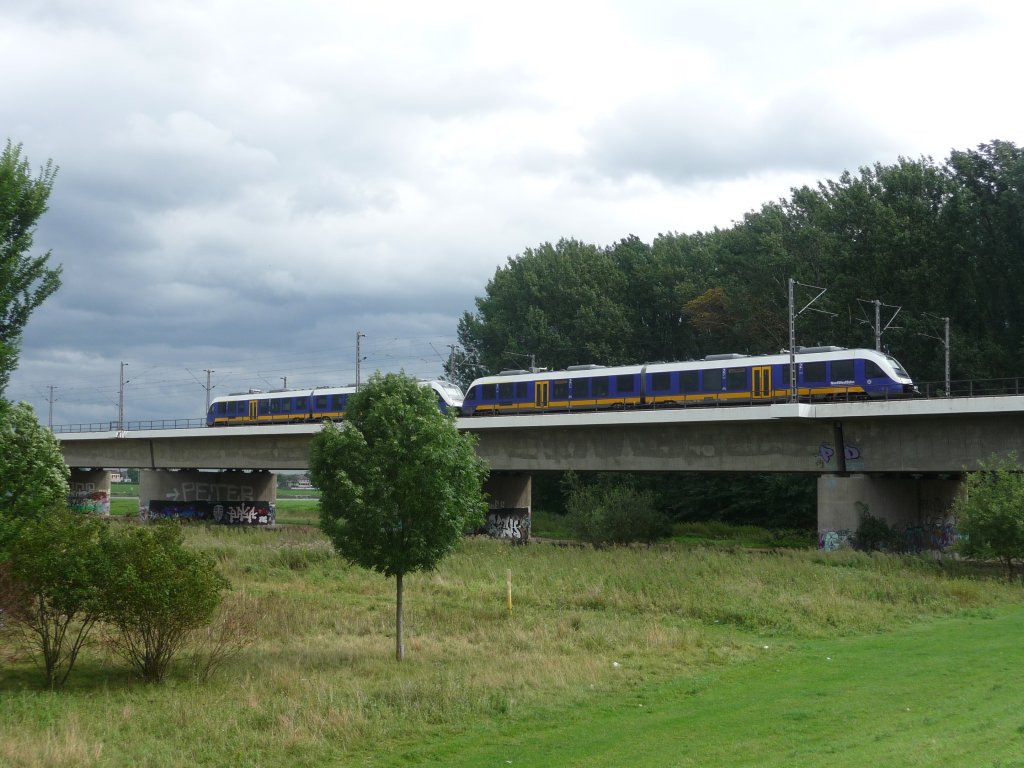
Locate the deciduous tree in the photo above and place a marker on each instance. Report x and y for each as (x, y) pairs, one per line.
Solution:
(25, 280)
(399, 484)
(990, 513)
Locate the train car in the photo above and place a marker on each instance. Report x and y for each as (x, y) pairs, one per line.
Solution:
(823, 373)
(295, 406)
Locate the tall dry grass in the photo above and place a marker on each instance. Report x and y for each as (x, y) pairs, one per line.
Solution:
(316, 681)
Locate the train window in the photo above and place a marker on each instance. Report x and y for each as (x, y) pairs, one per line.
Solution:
(275, 406)
(490, 392)
(560, 390)
(301, 403)
(521, 389)
(736, 378)
(872, 371)
(286, 405)
(222, 408)
(320, 402)
(661, 382)
(599, 386)
(784, 376)
(625, 384)
(689, 381)
(842, 370)
(814, 372)
(712, 380)
(339, 402)
(505, 390)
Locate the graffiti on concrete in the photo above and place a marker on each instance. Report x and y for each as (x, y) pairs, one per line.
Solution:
(826, 452)
(930, 537)
(212, 492)
(241, 513)
(927, 537)
(830, 541)
(86, 497)
(509, 523)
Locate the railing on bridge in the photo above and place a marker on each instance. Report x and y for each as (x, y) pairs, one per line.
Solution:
(129, 426)
(972, 388)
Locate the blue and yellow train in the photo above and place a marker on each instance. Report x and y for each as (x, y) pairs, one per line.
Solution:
(822, 373)
(295, 406)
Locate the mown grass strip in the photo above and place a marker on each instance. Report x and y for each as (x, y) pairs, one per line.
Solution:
(945, 692)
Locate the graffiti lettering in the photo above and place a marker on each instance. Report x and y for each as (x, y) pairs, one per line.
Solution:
(245, 513)
(512, 523)
(228, 492)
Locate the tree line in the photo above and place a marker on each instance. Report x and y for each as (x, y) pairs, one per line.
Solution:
(932, 240)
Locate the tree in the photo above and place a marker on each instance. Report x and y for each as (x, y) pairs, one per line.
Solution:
(25, 281)
(614, 513)
(33, 475)
(156, 592)
(50, 588)
(399, 485)
(990, 513)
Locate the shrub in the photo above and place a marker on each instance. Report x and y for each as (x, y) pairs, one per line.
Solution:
(49, 590)
(157, 592)
(990, 513)
(874, 533)
(615, 514)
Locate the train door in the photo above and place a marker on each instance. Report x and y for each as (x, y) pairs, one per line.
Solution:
(762, 384)
(540, 394)
(252, 410)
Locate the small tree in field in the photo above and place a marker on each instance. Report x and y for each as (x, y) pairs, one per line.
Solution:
(990, 513)
(49, 588)
(399, 484)
(156, 592)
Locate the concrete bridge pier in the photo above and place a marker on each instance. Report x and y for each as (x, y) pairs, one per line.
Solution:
(920, 507)
(90, 491)
(232, 497)
(509, 499)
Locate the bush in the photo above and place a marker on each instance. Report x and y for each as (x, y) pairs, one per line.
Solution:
(990, 513)
(615, 514)
(874, 533)
(49, 589)
(157, 593)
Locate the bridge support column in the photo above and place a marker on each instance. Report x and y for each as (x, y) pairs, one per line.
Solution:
(920, 508)
(509, 496)
(231, 497)
(90, 491)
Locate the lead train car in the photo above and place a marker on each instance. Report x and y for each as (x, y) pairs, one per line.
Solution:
(822, 373)
(299, 405)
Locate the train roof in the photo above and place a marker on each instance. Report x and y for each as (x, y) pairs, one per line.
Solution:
(452, 390)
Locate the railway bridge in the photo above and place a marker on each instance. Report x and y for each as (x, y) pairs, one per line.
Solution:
(903, 459)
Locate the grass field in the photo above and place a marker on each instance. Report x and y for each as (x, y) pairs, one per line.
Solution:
(663, 656)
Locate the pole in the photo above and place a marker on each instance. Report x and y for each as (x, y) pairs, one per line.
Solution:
(792, 343)
(208, 388)
(359, 355)
(49, 420)
(120, 401)
(878, 325)
(947, 355)
(508, 582)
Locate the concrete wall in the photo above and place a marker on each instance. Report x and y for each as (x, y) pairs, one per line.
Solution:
(90, 491)
(509, 500)
(233, 498)
(920, 508)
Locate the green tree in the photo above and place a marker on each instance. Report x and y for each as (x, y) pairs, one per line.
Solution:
(50, 587)
(990, 513)
(156, 593)
(25, 280)
(399, 484)
(33, 475)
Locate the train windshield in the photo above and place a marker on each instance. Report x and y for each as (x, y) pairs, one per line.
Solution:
(897, 367)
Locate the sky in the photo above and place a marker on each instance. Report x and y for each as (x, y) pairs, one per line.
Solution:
(246, 186)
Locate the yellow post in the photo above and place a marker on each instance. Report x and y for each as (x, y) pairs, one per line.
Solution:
(508, 580)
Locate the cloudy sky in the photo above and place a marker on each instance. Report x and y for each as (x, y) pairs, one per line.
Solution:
(244, 185)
